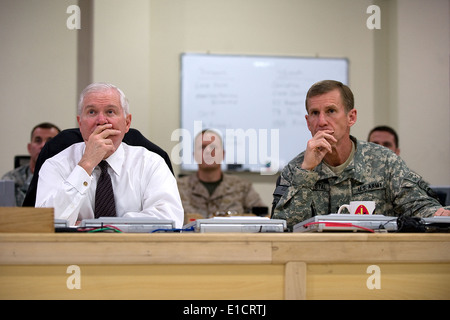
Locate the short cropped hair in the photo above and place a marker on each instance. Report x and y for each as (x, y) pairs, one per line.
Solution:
(44, 125)
(326, 86)
(387, 129)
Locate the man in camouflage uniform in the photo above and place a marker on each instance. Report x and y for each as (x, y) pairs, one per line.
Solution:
(336, 168)
(22, 175)
(209, 190)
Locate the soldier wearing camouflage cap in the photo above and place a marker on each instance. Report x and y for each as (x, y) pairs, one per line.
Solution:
(337, 168)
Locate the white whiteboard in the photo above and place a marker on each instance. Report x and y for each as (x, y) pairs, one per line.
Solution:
(261, 98)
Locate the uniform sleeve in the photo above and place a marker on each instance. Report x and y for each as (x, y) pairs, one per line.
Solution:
(185, 191)
(252, 199)
(295, 205)
(412, 195)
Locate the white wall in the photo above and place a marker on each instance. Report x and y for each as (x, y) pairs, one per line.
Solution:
(38, 72)
(423, 87)
(121, 37)
(399, 74)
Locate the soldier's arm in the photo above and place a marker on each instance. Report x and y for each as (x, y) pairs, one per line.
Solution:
(185, 196)
(252, 199)
(295, 204)
(411, 194)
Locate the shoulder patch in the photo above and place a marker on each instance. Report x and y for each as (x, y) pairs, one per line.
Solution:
(414, 177)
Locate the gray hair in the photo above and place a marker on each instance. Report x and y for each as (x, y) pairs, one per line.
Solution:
(101, 86)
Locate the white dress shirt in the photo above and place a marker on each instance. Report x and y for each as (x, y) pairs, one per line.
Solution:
(142, 182)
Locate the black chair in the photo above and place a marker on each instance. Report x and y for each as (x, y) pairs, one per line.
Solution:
(21, 160)
(442, 194)
(70, 136)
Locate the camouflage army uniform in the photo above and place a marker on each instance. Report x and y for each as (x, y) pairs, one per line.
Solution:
(232, 194)
(375, 173)
(22, 178)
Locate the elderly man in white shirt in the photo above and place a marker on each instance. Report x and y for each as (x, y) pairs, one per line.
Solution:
(143, 184)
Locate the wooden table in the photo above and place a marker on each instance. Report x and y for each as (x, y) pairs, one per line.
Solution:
(224, 266)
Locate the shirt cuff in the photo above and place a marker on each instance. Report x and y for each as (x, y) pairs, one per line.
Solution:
(80, 180)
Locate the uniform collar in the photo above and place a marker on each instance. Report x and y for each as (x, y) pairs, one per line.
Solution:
(200, 189)
(354, 169)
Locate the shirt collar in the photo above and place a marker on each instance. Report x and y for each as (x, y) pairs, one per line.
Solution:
(116, 160)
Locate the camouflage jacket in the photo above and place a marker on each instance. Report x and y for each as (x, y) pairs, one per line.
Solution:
(375, 173)
(232, 194)
(22, 178)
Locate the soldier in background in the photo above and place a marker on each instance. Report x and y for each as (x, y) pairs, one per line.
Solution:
(209, 190)
(337, 168)
(385, 136)
(22, 175)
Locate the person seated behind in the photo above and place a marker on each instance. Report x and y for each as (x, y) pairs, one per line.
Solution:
(142, 183)
(337, 168)
(385, 136)
(22, 175)
(209, 190)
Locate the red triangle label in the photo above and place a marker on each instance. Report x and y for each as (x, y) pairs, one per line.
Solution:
(361, 210)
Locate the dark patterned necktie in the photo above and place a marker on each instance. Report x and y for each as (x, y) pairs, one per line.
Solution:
(105, 205)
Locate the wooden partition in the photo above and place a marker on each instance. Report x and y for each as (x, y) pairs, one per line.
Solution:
(224, 266)
(24, 219)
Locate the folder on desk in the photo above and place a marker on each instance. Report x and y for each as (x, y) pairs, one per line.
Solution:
(347, 222)
(237, 224)
(130, 225)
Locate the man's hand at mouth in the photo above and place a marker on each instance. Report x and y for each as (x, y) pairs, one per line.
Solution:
(317, 147)
(99, 146)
